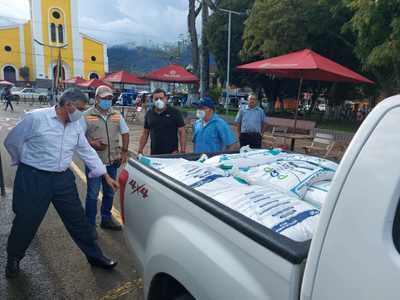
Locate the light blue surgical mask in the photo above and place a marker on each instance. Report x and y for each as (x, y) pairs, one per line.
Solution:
(200, 114)
(75, 116)
(105, 104)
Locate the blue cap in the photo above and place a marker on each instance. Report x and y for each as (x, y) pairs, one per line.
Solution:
(206, 102)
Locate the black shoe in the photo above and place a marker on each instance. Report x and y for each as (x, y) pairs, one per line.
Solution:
(103, 262)
(12, 268)
(110, 225)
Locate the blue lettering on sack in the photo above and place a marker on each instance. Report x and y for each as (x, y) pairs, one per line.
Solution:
(295, 220)
(205, 181)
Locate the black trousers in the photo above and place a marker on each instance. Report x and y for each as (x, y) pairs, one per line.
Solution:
(252, 139)
(33, 192)
(9, 104)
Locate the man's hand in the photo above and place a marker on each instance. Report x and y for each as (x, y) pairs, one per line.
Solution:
(98, 144)
(124, 157)
(111, 182)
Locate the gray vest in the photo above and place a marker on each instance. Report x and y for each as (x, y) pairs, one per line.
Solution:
(108, 130)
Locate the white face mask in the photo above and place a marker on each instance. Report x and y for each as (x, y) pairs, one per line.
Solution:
(75, 116)
(159, 104)
(200, 114)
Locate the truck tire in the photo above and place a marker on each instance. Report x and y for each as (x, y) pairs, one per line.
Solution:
(185, 297)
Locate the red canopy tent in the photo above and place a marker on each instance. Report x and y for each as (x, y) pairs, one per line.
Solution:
(75, 80)
(172, 73)
(305, 65)
(123, 77)
(94, 83)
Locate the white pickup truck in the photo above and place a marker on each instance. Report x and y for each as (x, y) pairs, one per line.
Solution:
(188, 246)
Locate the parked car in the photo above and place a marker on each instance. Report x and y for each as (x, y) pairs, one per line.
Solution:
(30, 94)
(188, 246)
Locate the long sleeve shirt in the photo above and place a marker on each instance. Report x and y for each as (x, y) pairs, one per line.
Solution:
(42, 141)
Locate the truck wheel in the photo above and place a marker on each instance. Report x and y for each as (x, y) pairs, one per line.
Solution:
(185, 297)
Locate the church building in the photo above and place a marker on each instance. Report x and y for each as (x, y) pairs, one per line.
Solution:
(32, 51)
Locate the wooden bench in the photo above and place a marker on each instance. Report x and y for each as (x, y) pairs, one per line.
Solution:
(280, 125)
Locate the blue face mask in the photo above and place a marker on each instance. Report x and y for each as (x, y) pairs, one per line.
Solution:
(105, 104)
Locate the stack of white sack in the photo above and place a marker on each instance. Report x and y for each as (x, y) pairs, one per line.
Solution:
(245, 159)
(160, 163)
(321, 162)
(220, 185)
(316, 193)
(273, 209)
(292, 176)
(193, 173)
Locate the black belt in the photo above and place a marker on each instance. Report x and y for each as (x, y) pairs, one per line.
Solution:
(251, 133)
(42, 171)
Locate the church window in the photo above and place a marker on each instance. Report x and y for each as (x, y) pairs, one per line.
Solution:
(8, 48)
(60, 34)
(53, 33)
(93, 58)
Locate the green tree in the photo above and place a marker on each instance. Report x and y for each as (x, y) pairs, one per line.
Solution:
(377, 26)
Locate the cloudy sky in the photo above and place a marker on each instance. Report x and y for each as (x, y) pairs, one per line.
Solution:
(120, 21)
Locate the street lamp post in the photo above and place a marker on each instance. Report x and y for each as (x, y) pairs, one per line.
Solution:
(51, 54)
(228, 68)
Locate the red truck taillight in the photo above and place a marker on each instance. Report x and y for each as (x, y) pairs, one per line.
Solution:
(123, 179)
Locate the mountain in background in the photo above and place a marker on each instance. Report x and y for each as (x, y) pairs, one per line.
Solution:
(141, 59)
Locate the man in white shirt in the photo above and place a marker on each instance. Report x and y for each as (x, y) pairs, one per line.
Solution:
(42, 145)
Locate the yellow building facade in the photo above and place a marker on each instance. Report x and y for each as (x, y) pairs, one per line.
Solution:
(52, 32)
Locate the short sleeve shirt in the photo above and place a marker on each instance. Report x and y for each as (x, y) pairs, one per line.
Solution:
(164, 130)
(213, 136)
(251, 120)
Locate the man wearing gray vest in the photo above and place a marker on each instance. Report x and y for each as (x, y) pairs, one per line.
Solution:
(103, 126)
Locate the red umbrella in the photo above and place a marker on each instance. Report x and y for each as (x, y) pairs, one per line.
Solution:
(308, 65)
(94, 83)
(172, 73)
(5, 82)
(124, 77)
(305, 65)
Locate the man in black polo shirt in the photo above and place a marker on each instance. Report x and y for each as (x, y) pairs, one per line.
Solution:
(163, 123)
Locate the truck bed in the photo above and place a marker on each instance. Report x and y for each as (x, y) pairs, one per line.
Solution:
(294, 252)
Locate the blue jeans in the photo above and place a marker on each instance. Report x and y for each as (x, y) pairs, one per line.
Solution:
(93, 189)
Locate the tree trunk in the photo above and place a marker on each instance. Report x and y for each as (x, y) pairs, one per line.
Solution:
(193, 36)
(205, 53)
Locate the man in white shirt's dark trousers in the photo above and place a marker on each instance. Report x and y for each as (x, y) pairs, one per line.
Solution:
(42, 145)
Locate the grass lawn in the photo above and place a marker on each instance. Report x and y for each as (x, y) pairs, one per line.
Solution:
(338, 125)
